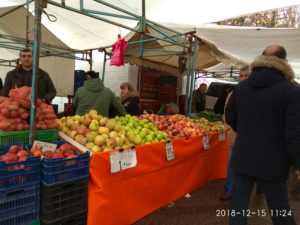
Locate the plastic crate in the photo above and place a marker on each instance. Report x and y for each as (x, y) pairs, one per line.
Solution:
(4, 148)
(19, 173)
(56, 200)
(23, 136)
(19, 206)
(71, 219)
(56, 171)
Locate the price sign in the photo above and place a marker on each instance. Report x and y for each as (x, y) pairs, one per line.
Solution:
(170, 150)
(205, 140)
(222, 136)
(122, 160)
(44, 145)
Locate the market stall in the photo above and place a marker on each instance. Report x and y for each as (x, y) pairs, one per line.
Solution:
(126, 196)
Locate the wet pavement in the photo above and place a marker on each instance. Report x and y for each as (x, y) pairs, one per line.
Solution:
(204, 204)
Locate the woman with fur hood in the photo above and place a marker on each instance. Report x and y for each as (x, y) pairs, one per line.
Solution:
(130, 99)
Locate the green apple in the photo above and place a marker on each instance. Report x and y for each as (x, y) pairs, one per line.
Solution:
(119, 141)
(113, 134)
(137, 140)
(83, 141)
(94, 125)
(90, 136)
(149, 138)
(96, 148)
(103, 130)
(89, 145)
(93, 112)
(118, 127)
(99, 140)
(105, 136)
(69, 122)
(110, 125)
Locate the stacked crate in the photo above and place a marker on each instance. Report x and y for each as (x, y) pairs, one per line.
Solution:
(19, 191)
(64, 189)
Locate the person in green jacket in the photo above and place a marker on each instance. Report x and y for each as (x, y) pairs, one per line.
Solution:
(93, 95)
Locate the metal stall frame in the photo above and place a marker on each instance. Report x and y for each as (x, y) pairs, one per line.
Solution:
(143, 22)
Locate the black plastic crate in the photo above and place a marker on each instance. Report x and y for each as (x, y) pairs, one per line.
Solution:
(57, 200)
(71, 219)
(20, 205)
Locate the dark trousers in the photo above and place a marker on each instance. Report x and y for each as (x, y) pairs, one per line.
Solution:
(276, 196)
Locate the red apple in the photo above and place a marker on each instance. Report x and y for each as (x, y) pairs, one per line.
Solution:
(22, 153)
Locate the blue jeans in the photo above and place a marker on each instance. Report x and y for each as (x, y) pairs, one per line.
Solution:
(276, 197)
(229, 180)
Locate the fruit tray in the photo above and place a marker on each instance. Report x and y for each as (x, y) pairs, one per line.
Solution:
(71, 219)
(56, 200)
(23, 136)
(58, 170)
(18, 173)
(19, 206)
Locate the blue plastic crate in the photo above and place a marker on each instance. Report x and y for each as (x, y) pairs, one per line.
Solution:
(4, 148)
(20, 206)
(19, 173)
(55, 171)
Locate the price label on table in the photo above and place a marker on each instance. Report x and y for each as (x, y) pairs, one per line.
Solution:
(222, 136)
(205, 140)
(169, 150)
(122, 160)
(44, 145)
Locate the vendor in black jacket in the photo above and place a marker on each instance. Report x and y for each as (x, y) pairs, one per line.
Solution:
(130, 99)
(264, 110)
(22, 76)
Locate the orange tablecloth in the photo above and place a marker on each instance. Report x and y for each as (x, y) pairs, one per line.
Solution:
(124, 197)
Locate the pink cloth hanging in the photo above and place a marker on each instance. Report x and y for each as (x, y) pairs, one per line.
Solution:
(118, 49)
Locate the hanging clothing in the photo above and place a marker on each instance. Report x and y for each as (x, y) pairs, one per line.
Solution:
(118, 49)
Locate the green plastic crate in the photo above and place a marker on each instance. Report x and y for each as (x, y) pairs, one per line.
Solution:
(23, 136)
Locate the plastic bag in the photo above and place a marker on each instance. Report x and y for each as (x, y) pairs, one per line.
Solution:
(118, 49)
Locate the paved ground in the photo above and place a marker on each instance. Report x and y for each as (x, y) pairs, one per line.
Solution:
(201, 208)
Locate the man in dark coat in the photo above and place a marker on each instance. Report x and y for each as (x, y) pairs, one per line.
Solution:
(22, 76)
(198, 98)
(264, 111)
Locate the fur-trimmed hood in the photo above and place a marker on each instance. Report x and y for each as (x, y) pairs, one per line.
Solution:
(275, 63)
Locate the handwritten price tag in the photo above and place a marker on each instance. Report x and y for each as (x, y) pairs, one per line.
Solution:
(205, 140)
(122, 160)
(170, 150)
(222, 136)
(44, 145)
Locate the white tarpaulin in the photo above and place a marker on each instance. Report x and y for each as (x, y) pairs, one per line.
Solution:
(248, 42)
(82, 32)
(14, 24)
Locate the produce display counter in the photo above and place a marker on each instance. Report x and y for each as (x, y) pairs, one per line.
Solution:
(124, 197)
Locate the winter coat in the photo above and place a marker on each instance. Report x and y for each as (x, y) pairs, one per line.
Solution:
(93, 95)
(264, 110)
(131, 103)
(20, 77)
(198, 101)
(231, 134)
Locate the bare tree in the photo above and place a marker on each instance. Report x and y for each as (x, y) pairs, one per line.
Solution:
(285, 17)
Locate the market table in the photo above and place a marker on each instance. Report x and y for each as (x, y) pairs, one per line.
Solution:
(124, 197)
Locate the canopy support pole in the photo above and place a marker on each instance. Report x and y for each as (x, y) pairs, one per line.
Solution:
(193, 75)
(104, 64)
(36, 51)
(187, 97)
